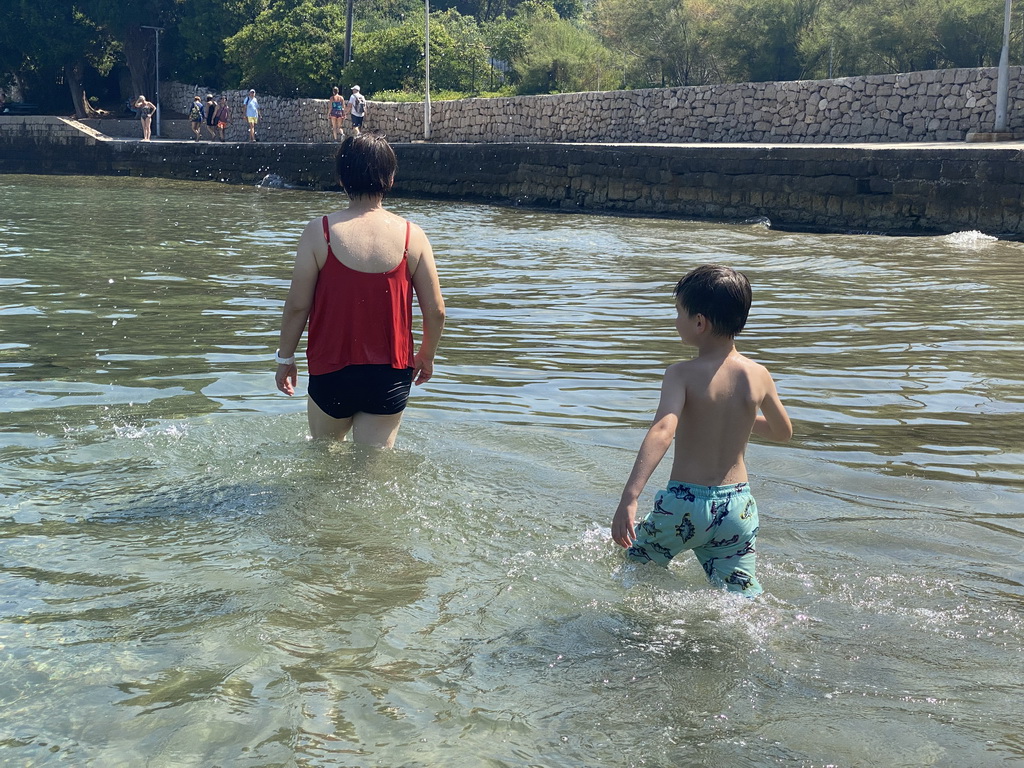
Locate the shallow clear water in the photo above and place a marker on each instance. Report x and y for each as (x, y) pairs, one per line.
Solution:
(186, 580)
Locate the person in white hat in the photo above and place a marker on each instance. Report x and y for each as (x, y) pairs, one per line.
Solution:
(356, 109)
(252, 113)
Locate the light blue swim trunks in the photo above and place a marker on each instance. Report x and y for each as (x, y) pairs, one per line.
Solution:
(719, 523)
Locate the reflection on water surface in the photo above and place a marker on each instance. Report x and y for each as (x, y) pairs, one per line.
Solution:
(198, 584)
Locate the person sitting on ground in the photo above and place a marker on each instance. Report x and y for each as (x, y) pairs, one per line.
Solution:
(709, 405)
(354, 277)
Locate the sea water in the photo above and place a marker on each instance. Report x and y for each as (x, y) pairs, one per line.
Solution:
(187, 580)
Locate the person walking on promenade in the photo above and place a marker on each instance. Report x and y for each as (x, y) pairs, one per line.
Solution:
(196, 116)
(709, 405)
(223, 116)
(357, 109)
(252, 113)
(146, 110)
(210, 110)
(336, 114)
(355, 274)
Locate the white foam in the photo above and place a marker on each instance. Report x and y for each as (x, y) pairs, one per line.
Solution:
(970, 239)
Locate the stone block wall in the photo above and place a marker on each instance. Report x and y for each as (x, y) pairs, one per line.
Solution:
(281, 119)
(937, 105)
(912, 188)
(46, 129)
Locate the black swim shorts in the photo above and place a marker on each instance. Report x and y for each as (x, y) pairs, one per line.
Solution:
(377, 389)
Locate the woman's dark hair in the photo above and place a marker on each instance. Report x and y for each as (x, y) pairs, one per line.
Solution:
(719, 293)
(366, 165)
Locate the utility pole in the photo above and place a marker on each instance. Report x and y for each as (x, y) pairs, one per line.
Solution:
(348, 32)
(426, 70)
(1002, 84)
(157, 31)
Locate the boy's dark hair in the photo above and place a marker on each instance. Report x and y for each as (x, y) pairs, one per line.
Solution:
(366, 164)
(719, 293)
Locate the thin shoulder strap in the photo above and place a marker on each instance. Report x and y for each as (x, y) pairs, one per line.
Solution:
(408, 226)
(327, 231)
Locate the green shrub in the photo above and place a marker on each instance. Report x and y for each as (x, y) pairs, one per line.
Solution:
(408, 96)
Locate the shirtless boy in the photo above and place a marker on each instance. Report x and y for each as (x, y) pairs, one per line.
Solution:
(710, 405)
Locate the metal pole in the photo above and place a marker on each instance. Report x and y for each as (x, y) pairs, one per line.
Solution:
(1002, 84)
(157, 31)
(426, 69)
(348, 32)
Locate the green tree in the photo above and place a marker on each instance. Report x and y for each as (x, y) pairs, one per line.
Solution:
(44, 43)
(193, 45)
(391, 58)
(562, 56)
(759, 40)
(290, 48)
(506, 39)
(873, 37)
(123, 22)
(663, 42)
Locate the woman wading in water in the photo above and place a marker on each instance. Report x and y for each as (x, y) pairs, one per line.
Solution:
(355, 274)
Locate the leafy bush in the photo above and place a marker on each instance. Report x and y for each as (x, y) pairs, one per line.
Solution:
(412, 96)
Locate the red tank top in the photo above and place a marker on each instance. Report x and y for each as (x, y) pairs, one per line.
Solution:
(360, 318)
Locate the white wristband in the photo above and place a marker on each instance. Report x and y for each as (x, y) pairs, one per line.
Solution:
(283, 360)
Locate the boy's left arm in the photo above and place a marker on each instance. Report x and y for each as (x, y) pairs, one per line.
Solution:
(773, 422)
(652, 450)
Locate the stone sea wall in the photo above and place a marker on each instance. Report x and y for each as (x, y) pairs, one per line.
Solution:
(938, 105)
(919, 189)
(47, 130)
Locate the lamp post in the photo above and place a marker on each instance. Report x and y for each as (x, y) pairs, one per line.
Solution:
(426, 70)
(348, 32)
(1002, 84)
(156, 32)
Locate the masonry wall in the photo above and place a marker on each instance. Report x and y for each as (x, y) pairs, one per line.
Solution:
(938, 105)
(910, 189)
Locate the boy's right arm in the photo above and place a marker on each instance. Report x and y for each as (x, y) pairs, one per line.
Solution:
(652, 450)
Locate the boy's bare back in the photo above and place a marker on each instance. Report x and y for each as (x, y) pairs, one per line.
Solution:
(710, 404)
(718, 398)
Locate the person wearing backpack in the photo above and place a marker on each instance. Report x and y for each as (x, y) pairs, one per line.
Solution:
(196, 116)
(357, 109)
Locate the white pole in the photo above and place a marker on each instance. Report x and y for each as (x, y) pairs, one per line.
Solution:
(426, 69)
(1002, 84)
(157, 31)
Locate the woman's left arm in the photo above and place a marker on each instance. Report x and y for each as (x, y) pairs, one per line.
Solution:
(428, 295)
(297, 307)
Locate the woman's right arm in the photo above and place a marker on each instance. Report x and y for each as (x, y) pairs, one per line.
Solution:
(298, 305)
(428, 295)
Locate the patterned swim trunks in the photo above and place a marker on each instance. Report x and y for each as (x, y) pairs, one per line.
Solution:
(719, 523)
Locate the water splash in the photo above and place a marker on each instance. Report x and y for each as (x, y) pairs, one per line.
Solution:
(970, 239)
(273, 181)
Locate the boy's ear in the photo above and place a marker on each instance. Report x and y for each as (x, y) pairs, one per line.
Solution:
(702, 322)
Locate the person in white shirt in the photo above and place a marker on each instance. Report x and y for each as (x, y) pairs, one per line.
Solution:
(356, 109)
